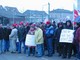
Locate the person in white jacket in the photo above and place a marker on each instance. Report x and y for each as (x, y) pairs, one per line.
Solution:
(13, 38)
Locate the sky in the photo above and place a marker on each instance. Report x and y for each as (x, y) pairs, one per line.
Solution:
(24, 5)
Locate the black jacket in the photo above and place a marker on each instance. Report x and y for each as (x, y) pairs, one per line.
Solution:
(21, 33)
(1, 33)
(27, 29)
(6, 33)
(58, 33)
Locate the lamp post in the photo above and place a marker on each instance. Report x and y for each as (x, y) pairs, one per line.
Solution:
(43, 11)
(25, 19)
(30, 16)
(13, 16)
(48, 11)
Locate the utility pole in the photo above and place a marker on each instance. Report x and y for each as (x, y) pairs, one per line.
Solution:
(42, 13)
(13, 15)
(30, 17)
(48, 11)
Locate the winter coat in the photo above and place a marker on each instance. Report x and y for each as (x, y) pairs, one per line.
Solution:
(70, 26)
(58, 33)
(1, 33)
(27, 29)
(13, 35)
(6, 33)
(21, 33)
(77, 36)
(49, 32)
(39, 36)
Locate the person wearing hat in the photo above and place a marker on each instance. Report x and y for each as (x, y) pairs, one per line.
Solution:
(39, 41)
(21, 36)
(31, 48)
(13, 38)
(49, 32)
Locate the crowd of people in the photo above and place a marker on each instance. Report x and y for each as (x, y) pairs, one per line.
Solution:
(47, 36)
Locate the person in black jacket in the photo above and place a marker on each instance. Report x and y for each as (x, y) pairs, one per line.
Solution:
(27, 28)
(54, 45)
(21, 37)
(57, 36)
(1, 40)
(67, 47)
(7, 32)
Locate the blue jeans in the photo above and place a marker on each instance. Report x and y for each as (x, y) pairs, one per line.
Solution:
(2, 46)
(50, 46)
(29, 50)
(7, 45)
(39, 49)
(19, 46)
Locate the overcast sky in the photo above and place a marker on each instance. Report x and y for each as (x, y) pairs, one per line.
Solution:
(23, 5)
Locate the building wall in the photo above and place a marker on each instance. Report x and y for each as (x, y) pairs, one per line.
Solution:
(4, 20)
(60, 17)
(35, 18)
(16, 20)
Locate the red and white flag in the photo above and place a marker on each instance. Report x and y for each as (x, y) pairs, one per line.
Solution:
(75, 9)
(75, 13)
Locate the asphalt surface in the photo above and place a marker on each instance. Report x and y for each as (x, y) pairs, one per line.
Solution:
(15, 56)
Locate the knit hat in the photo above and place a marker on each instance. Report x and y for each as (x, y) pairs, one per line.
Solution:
(21, 23)
(14, 25)
(48, 22)
(27, 24)
(74, 23)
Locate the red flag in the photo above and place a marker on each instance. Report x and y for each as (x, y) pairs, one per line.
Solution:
(75, 13)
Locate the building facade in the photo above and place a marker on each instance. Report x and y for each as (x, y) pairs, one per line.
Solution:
(35, 16)
(60, 15)
(11, 14)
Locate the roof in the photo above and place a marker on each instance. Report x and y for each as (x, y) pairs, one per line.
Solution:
(35, 12)
(10, 12)
(61, 11)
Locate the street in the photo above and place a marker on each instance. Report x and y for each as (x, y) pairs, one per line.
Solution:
(10, 56)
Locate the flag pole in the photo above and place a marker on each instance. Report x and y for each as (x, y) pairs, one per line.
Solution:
(73, 15)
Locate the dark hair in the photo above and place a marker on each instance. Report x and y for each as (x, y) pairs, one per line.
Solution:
(78, 23)
(54, 22)
(60, 23)
(14, 26)
(69, 22)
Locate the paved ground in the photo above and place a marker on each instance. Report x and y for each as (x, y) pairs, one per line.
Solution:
(9, 56)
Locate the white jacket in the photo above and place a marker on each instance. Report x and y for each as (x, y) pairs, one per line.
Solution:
(13, 35)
